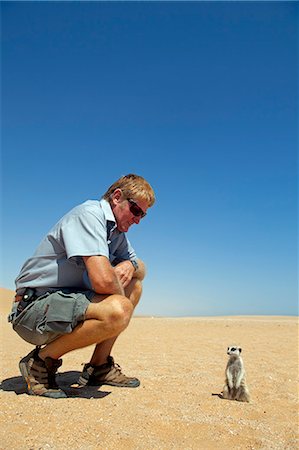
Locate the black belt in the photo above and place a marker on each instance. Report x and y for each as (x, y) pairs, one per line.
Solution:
(24, 300)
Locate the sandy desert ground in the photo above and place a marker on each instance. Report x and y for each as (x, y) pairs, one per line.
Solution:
(181, 363)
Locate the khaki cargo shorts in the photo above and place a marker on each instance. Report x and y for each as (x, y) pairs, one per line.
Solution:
(50, 316)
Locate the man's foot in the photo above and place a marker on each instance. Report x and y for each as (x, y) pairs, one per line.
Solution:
(109, 373)
(40, 375)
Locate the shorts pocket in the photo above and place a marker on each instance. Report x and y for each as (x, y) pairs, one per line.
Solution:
(25, 324)
(27, 318)
(59, 315)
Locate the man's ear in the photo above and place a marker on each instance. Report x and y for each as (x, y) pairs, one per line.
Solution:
(117, 196)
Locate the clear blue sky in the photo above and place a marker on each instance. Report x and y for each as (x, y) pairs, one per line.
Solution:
(201, 99)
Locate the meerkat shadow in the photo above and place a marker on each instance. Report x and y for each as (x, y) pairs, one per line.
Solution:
(217, 395)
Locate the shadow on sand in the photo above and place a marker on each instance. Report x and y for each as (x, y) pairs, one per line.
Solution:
(67, 381)
(218, 395)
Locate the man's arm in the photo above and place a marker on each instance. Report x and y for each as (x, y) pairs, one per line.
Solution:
(103, 278)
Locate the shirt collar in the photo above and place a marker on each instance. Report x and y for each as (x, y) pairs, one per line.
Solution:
(109, 216)
(110, 219)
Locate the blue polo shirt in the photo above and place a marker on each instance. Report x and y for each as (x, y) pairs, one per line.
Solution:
(87, 230)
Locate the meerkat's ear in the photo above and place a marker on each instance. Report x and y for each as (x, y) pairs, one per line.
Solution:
(240, 350)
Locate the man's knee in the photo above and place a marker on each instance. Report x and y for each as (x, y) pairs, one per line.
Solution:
(121, 312)
(113, 313)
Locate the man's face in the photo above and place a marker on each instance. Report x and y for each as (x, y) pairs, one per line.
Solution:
(125, 212)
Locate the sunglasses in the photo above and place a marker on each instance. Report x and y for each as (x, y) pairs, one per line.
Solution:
(135, 209)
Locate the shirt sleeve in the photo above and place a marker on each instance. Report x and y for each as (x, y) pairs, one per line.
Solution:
(85, 235)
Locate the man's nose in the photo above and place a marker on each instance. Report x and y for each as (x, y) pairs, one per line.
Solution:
(137, 219)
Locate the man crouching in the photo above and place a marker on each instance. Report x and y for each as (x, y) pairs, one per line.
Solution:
(81, 287)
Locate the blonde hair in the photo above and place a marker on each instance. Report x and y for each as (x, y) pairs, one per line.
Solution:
(134, 187)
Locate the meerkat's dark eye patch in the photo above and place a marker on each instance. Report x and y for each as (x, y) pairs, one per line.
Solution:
(233, 349)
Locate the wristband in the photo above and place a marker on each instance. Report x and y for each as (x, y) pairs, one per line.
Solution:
(135, 264)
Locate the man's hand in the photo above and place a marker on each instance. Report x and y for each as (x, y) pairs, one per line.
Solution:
(124, 271)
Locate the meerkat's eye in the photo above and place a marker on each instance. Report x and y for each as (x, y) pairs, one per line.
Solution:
(234, 349)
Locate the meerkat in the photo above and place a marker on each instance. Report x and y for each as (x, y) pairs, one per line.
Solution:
(235, 387)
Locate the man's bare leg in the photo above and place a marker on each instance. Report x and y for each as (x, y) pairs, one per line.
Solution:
(102, 350)
(104, 320)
